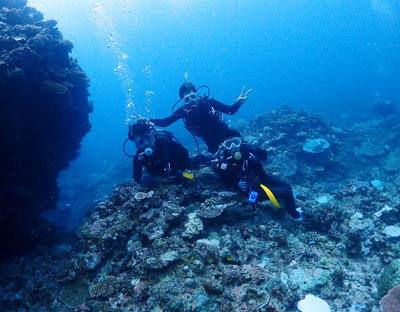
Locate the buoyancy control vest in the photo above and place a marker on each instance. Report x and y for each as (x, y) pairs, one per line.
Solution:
(200, 116)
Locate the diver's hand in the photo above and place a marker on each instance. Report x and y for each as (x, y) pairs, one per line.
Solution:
(243, 185)
(243, 96)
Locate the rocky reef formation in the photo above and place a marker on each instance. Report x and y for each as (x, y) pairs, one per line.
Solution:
(43, 118)
(197, 247)
(307, 149)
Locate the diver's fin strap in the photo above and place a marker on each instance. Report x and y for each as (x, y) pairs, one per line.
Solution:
(270, 195)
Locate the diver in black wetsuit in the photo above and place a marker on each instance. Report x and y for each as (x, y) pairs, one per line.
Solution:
(203, 116)
(158, 153)
(239, 168)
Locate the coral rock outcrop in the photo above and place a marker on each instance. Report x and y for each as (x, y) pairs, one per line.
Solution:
(43, 118)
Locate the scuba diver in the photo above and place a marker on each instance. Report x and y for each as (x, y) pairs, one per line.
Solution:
(240, 169)
(158, 153)
(202, 116)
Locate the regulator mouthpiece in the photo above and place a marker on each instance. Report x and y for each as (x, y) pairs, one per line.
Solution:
(148, 151)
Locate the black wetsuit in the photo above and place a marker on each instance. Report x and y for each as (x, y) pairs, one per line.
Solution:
(167, 159)
(204, 120)
(250, 169)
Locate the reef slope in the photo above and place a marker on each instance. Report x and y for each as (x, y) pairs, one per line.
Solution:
(199, 247)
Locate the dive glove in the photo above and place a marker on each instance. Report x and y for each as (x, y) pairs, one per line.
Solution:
(243, 185)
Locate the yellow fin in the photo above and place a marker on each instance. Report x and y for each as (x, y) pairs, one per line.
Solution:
(270, 195)
(188, 175)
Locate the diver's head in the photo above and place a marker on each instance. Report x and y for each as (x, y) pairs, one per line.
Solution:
(145, 142)
(187, 88)
(188, 93)
(232, 146)
(142, 134)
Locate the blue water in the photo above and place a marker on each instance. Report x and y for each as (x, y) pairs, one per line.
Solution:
(329, 56)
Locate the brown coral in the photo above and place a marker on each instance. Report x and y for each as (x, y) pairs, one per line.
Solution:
(391, 302)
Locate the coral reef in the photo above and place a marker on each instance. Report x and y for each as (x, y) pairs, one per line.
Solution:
(43, 118)
(315, 146)
(391, 302)
(74, 293)
(313, 304)
(390, 277)
(103, 288)
(193, 227)
(197, 247)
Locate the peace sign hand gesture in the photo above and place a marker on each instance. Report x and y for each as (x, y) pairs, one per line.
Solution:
(243, 96)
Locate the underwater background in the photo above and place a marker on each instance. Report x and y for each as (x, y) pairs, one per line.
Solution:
(325, 80)
(330, 57)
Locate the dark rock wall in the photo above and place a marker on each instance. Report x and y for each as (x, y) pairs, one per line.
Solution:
(44, 114)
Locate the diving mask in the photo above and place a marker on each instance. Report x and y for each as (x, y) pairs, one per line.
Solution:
(232, 145)
(144, 141)
(192, 97)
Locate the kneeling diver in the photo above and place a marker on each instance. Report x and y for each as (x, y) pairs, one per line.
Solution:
(158, 153)
(239, 168)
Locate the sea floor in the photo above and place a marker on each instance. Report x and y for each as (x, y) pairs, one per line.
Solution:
(196, 246)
